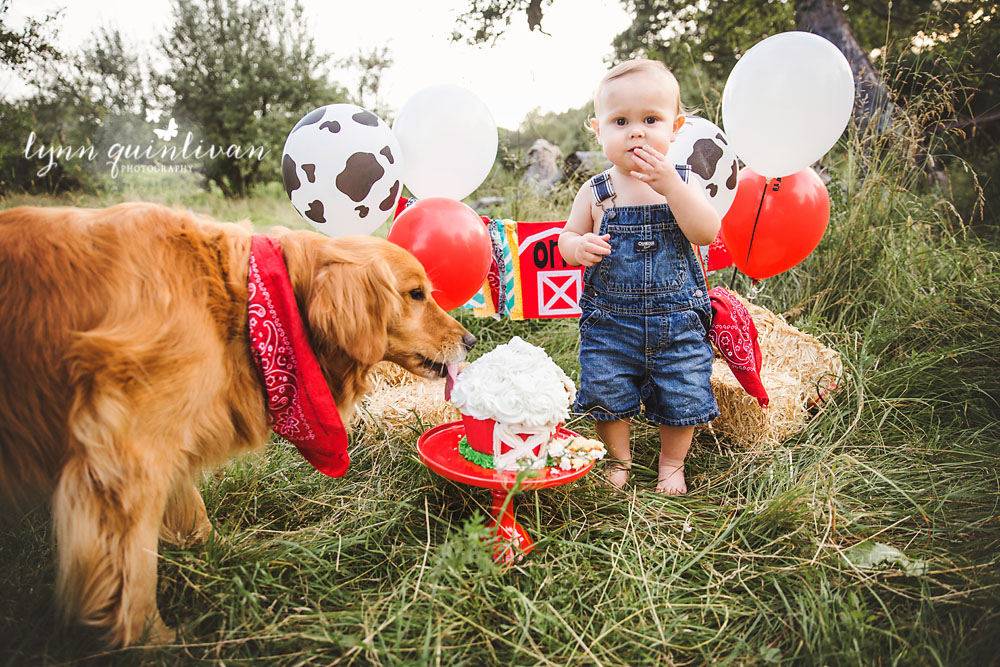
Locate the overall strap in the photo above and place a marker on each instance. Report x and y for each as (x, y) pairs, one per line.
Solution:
(701, 262)
(603, 190)
(601, 186)
(684, 171)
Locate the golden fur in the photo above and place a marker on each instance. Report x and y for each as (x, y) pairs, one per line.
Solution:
(126, 368)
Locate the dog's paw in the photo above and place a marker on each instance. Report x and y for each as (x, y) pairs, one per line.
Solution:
(160, 633)
(186, 538)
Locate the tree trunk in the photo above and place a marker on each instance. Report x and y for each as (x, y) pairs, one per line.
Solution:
(873, 109)
(220, 180)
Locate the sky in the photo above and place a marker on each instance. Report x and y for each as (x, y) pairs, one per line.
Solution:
(524, 70)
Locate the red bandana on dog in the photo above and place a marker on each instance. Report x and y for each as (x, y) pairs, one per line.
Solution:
(735, 336)
(300, 407)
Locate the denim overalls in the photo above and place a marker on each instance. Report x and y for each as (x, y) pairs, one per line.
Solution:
(644, 325)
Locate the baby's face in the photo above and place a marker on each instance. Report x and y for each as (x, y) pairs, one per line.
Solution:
(637, 109)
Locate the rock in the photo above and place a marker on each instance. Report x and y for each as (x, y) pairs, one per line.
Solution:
(483, 203)
(586, 163)
(543, 167)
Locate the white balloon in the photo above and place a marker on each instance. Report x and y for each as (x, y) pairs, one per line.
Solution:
(343, 169)
(787, 101)
(449, 140)
(701, 145)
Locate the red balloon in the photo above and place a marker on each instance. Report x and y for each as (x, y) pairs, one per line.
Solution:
(793, 219)
(451, 242)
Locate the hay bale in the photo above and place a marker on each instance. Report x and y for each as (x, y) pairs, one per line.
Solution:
(399, 402)
(783, 347)
(797, 371)
(796, 366)
(744, 422)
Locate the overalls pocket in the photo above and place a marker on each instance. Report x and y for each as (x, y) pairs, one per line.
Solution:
(649, 260)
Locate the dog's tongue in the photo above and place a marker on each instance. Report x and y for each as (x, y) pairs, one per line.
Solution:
(449, 383)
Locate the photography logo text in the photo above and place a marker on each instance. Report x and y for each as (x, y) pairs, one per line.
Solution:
(161, 154)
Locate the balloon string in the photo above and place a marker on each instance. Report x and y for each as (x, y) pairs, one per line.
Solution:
(753, 231)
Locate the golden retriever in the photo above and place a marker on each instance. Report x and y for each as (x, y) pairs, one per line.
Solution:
(126, 368)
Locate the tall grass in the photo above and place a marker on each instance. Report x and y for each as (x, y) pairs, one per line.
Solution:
(769, 558)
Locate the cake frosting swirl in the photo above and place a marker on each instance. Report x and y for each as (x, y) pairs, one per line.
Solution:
(516, 384)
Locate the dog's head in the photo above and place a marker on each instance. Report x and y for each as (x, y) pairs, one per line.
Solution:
(370, 300)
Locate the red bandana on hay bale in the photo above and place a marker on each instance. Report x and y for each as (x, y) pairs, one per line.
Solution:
(798, 371)
(735, 337)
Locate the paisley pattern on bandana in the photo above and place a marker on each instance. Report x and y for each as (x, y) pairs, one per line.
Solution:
(276, 361)
(300, 406)
(733, 340)
(735, 336)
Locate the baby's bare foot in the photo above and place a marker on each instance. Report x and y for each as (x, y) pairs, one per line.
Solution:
(617, 474)
(671, 478)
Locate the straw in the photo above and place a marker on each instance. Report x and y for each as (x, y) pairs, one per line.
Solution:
(400, 402)
(797, 371)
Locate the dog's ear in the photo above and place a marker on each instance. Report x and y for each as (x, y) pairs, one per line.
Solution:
(351, 307)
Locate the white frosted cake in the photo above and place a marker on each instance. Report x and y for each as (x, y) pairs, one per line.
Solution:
(513, 399)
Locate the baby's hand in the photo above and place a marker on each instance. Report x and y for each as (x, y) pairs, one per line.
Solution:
(591, 247)
(656, 171)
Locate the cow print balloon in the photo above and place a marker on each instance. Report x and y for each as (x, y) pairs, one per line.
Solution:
(342, 168)
(703, 146)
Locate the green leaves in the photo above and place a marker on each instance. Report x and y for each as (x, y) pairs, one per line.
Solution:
(242, 73)
(876, 556)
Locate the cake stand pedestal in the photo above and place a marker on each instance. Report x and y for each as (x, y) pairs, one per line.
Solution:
(438, 449)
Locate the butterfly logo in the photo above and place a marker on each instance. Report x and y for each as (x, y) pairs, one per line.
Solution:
(167, 133)
(153, 115)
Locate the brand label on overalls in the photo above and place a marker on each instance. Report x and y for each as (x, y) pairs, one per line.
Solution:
(646, 245)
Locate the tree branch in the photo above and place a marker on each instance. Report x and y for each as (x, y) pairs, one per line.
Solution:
(983, 119)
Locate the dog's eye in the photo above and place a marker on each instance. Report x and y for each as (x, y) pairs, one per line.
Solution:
(417, 294)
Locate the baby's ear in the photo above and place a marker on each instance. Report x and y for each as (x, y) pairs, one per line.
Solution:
(679, 122)
(596, 127)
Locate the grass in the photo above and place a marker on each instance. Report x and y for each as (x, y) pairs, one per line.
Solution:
(267, 208)
(769, 559)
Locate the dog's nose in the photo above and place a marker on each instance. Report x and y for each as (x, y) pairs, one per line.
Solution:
(469, 341)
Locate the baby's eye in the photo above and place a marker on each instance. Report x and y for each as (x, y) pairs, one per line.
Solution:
(650, 120)
(620, 122)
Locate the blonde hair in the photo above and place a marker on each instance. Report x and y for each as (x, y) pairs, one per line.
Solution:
(640, 65)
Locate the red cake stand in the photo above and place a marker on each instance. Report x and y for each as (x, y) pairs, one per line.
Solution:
(438, 449)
